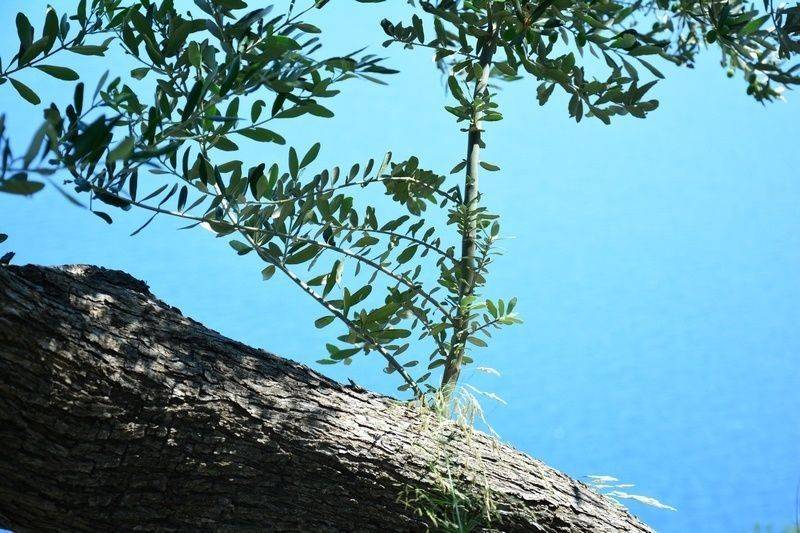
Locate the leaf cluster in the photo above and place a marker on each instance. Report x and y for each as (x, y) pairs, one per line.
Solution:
(596, 51)
(221, 74)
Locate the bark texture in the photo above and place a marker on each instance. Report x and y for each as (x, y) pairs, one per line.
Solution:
(119, 413)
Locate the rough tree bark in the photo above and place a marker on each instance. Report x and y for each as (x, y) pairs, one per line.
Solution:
(119, 413)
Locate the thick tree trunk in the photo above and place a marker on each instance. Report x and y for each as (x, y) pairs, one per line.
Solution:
(119, 413)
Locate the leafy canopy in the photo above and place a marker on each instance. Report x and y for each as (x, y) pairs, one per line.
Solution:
(406, 283)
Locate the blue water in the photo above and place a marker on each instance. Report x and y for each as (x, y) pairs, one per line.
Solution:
(656, 265)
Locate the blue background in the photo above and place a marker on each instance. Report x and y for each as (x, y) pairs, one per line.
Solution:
(655, 263)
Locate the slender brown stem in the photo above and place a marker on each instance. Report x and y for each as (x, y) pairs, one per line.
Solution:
(452, 368)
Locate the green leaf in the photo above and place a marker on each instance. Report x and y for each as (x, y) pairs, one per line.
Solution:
(77, 98)
(293, 164)
(240, 247)
(324, 321)
(544, 91)
(25, 91)
(506, 69)
(191, 100)
(178, 36)
(80, 12)
(293, 112)
(645, 50)
(62, 73)
(21, 186)
(50, 29)
(140, 73)
(624, 41)
(343, 354)
(303, 255)
(104, 216)
(156, 192)
(753, 25)
(366, 240)
(133, 185)
(359, 295)
(33, 51)
(653, 70)
(406, 255)
(262, 135)
(122, 151)
(511, 304)
(195, 55)
(36, 145)
(268, 272)
(182, 196)
(255, 110)
(333, 277)
(24, 30)
(392, 334)
(277, 45)
(459, 167)
(319, 111)
(111, 199)
(490, 167)
(477, 342)
(88, 50)
(226, 145)
(455, 89)
(310, 156)
(308, 28)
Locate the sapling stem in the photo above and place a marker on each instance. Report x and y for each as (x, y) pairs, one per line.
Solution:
(471, 198)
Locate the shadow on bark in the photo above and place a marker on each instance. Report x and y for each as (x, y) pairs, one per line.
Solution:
(117, 412)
